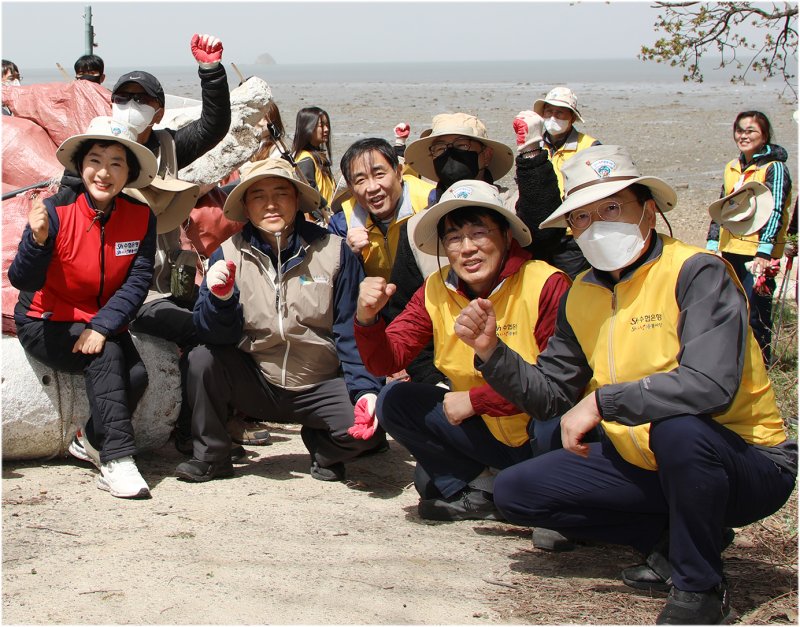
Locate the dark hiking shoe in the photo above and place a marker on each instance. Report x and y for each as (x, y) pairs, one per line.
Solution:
(197, 470)
(656, 573)
(469, 504)
(712, 607)
(550, 540)
(238, 453)
(334, 472)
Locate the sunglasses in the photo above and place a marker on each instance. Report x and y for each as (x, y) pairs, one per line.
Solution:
(125, 98)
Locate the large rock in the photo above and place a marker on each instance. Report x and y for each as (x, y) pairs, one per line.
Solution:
(249, 103)
(43, 408)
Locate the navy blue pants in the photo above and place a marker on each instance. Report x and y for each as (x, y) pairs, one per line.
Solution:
(760, 306)
(115, 379)
(452, 456)
(708, 479)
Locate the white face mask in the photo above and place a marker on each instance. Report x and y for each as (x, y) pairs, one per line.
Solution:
(140, 116)
(611, 246)
(13, 83)
(554, 126)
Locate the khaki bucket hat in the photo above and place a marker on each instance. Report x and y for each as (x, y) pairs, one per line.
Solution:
(559, 97)
(171, 201)
(467, 193)
(308, 197)
(108, 129)
(418, 157)
(744, 211)
(600, 171)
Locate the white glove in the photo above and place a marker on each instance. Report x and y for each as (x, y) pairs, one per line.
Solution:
(529, 127)
(401, 133)
(220, 279)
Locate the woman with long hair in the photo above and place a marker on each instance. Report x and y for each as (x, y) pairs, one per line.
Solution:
(311, 150)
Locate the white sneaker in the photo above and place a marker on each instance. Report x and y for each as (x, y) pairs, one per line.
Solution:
(83, 450)
(121, 477)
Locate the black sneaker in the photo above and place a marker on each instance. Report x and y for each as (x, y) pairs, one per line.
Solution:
(550, 540)
(655, 574)
(197, 470)
(334, 472)
(469, 504)
(712, 607)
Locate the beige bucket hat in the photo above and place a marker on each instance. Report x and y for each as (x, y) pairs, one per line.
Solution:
(309, 198)
(465, 193)
(418, 157)
(600, 171)
(107, 129)
(559, 97)
(170, 199)
(744, 211)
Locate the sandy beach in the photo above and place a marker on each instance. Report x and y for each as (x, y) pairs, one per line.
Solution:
(273, 545)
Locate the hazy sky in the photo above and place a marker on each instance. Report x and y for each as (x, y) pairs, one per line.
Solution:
(39, 34)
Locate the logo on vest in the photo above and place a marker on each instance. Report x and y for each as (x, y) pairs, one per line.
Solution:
(307, 280)
(647, 321)
(125, 249)
(507, 330)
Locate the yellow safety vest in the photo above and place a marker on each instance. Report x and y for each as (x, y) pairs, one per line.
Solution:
(748, 244)
(632, 333)
(325, 184)
(516, 303)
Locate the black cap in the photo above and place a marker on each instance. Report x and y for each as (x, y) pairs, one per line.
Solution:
(148, 82)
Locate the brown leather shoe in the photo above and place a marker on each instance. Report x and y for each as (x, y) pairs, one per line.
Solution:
(250, 433)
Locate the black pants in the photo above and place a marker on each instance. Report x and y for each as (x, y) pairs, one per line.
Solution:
(115, 380)
(708, 478)
(220, 377)
(760, 306)
(172, 321)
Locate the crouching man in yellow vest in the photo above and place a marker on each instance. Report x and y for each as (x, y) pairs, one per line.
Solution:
(457, 436)
(652, 344)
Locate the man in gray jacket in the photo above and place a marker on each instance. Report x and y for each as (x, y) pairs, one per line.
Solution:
(652, 345)
(275, 318)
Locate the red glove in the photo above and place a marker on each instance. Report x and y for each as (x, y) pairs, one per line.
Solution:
(760, 286)
(207, 49)
(401, 133)
(528, 128)
(365, 422)
(220, 279)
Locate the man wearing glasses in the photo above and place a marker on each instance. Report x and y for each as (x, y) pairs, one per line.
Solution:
(653, 345)
(457, 436)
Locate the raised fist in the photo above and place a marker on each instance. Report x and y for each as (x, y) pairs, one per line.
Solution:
(207, 49)
(529, 128)
(220, 279)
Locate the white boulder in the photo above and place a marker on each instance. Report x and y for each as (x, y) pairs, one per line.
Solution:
(248, 105)
(43, 408)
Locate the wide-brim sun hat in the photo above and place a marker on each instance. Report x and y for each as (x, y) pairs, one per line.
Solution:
(559, 97)
(467, 193)
(106, 128)
(601, 171)
(744, 211)
(309, 198)
(170, 199)
(417, 155)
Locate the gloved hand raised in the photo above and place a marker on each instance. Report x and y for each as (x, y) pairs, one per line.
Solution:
(365, 422)
(401, 133)
(207, 49)
(220, 279)
(529, 127)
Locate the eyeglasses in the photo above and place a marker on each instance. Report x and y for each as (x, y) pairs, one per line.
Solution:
(746, 131)
(125, 98)
(608, 212)
(454, 242)
(437, 149)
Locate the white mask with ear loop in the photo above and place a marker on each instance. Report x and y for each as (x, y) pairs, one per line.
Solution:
(140, 116)
(554, 126)
(611, 246)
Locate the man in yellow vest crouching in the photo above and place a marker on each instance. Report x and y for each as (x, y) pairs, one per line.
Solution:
(653, 345)
(458, 436)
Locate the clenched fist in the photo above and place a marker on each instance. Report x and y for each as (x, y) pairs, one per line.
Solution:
(357, 238)
(39, 221)
(373, 294)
